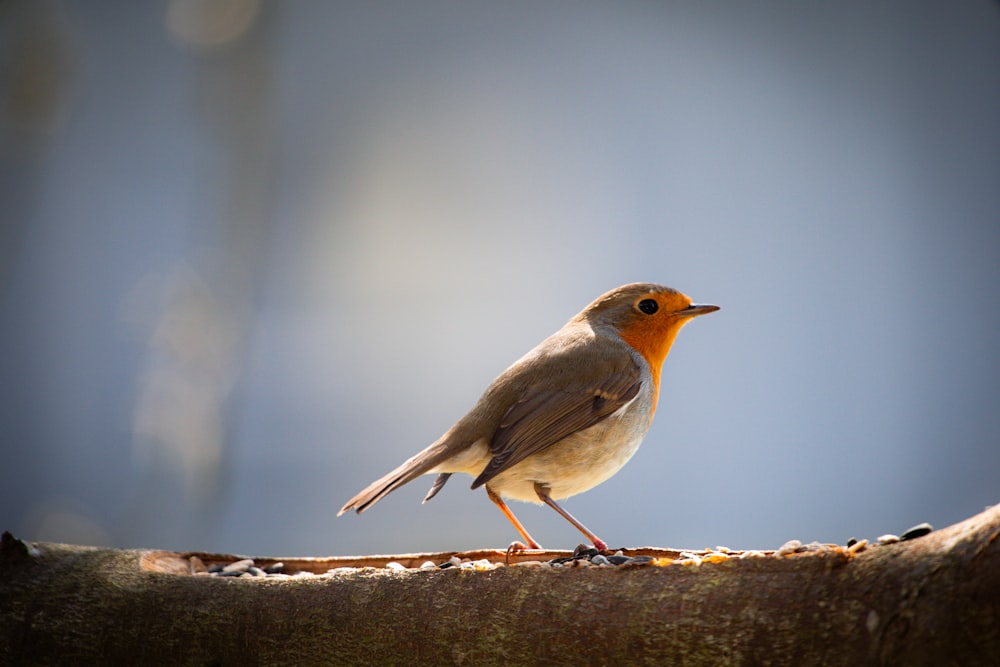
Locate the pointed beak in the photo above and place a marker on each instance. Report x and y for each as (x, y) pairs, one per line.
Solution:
(696, 309)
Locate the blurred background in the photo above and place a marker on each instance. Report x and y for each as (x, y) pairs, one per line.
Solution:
(253, 255)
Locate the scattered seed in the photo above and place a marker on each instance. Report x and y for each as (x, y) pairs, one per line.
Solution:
(583, 556)
(239, 566)
(230, 573)
(688, 558)
(888, 538)
(482, 564)
(639, 560)
(789, 547)
(715, 557)
(857, 547)
(919, 530)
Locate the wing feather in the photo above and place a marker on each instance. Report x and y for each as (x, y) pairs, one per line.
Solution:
(544, 416)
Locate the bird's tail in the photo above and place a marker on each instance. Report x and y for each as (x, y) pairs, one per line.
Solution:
(412, 468)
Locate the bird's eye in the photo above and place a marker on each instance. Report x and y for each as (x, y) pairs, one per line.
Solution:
(649, 306)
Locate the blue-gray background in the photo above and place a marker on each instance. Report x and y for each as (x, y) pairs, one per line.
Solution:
(253, 255)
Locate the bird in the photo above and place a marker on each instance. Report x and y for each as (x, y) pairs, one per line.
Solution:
(564, 417)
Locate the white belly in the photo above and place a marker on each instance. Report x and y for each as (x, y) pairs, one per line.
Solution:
(573, 465)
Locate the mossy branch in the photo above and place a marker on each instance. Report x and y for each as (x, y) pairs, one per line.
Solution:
(929, 601)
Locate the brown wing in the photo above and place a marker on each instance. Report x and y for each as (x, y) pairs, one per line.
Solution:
(544, 416)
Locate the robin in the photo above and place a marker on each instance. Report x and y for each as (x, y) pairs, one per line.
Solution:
(564, 417)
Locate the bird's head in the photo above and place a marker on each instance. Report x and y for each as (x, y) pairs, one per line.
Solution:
(647, 316)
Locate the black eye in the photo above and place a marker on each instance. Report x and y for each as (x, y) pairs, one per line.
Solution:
(649, 306)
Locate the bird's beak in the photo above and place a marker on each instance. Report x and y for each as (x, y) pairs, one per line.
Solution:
(696, 309)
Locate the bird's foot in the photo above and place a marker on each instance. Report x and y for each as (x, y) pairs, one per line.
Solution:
(517, 546)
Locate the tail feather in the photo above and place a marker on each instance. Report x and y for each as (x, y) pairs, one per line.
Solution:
(412, 468)
(438, 483)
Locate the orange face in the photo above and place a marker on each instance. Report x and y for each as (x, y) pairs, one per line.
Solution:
(652, 325)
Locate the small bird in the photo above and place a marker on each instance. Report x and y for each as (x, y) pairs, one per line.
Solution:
(564, 417)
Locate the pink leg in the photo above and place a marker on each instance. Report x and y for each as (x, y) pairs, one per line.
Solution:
(543, 495)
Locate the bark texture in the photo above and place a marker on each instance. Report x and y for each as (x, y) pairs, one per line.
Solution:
(929, 601)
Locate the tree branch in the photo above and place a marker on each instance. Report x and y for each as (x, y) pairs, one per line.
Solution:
(933, 600)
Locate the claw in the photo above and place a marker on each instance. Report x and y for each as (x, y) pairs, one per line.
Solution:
(517, 546)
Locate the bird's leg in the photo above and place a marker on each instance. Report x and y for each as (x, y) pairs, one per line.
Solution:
(543, 495)
(532, 544)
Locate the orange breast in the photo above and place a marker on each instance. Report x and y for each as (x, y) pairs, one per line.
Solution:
(653, 338)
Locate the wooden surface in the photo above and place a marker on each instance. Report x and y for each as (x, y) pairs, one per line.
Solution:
(929, 601)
